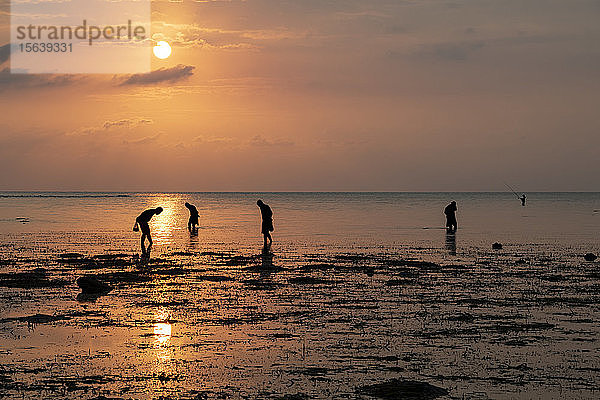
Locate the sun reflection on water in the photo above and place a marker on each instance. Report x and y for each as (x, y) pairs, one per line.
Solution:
(164, 225)
(162, 332)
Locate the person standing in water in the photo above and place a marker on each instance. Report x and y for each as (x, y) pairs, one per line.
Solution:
(523, 198)
(141, 222)
(193, 221)
(267, 221)
(450, 212)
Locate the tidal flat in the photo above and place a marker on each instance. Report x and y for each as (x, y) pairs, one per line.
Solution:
(516, 323)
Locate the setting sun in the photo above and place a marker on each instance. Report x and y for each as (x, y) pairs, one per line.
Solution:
(162, 50)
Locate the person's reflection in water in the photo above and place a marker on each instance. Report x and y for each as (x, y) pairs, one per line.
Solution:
(267, 258)
(266, 266)
(145, 257)
(451, 243)
(194, 240)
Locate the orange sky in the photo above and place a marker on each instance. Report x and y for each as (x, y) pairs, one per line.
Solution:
(323, 95)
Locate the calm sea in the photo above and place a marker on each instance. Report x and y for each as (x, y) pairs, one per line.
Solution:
(346, 298)
(94, 222)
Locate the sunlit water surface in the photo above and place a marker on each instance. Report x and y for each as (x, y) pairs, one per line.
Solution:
(343, 299)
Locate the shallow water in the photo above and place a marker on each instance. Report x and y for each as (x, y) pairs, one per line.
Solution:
(358, 289)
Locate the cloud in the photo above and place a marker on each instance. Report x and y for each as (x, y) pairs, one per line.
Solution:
(8, 79)
(217, 38)
(459, 51)
(126, 123)
(494, 42)
(211, 140)
(21, 81)
(260, 141)
(143, 141)
(173, 74)
(193, 35)
(185, 35)
(4, 53)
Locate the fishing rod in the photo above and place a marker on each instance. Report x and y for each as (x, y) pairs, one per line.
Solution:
(512, 190)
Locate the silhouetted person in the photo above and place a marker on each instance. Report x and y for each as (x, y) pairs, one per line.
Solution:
(142, 221)
(450, 212)
(267, 221)
(193, 221)
(523, 198)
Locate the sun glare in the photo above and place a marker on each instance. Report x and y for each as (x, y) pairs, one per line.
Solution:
(162, 331)
(162, 50)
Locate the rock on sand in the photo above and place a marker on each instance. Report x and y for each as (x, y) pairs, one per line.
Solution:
(403, 389)
(92, 285)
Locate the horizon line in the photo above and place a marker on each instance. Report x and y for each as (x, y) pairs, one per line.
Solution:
(289, 191)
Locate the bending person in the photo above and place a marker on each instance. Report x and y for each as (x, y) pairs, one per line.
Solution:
(450, 212)
(267, 221)
(141, 222)
(193, 221)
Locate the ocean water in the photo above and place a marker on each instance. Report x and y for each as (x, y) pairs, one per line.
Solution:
(358, 289)
(69, 221)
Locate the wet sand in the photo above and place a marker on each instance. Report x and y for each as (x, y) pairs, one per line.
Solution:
(521, 322)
